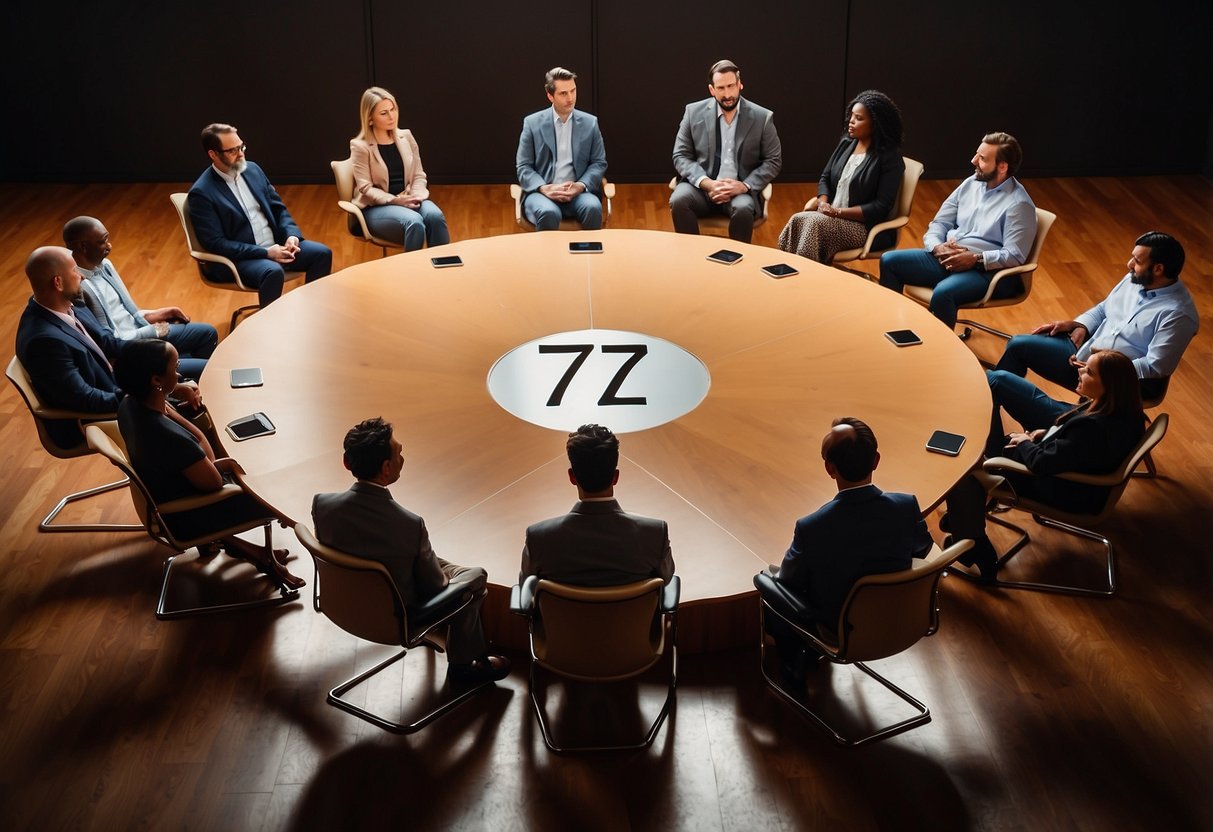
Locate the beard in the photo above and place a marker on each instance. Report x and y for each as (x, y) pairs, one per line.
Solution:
(982, 176)
(729, 104)
(1139, 279)
(239, 167)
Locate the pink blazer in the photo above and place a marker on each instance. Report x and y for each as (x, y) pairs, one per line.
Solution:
(371, 175)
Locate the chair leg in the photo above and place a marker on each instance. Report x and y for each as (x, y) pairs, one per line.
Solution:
(971, 325)
(1077, 531)
(842, 267)
(235, 315)
(1151, 472)
(335, 699)
(285, 594)
(549, 738)
(921, 716)
(48, 524)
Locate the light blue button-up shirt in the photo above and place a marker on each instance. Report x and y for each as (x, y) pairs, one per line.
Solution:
(1152, 327)
(1000, 223)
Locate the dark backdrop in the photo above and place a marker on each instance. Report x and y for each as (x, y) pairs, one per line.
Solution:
(118, 92)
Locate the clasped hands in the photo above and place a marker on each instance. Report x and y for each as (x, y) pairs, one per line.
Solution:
(1078, 333)
(286, 252)
(955, 257)
(563, 191)
(721, 191)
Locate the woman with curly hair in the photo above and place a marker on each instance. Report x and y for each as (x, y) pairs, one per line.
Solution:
(859, 185)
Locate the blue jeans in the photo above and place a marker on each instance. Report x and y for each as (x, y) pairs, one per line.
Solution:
(1046, 355)
(414, 228)
(918, 267)
(194, 342)
(546, 214)
(1024, 402)
(314, 259)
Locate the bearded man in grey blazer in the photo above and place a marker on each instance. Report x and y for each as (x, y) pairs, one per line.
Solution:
(597, 543)
(726, 152)
(367, 522)
(561, 159)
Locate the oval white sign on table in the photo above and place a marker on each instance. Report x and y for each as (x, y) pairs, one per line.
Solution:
(627, 381)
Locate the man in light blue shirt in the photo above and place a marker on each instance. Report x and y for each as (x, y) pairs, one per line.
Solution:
(106, 296)
(561, 159)
(1149, 316)
(987, 224)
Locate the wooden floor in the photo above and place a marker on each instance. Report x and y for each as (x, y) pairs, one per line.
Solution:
(1049, 712)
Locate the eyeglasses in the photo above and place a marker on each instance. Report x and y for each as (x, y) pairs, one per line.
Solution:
(240, 148)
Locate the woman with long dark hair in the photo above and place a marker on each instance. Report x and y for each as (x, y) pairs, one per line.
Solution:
(859, 185)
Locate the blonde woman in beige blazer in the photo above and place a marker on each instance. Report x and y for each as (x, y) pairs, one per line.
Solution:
(389, 181)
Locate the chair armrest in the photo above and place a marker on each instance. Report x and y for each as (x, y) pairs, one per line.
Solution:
(522, 596)
(1005, 273)
(670, 594)
(435, 609)
(228, 491)
(782, 600)
(355, 212)
(220, 260)
(811, 205)
(1001, 464)
(877, 229)
(608, 190)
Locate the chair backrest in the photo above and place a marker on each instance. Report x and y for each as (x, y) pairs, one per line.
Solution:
(1044, 222)
(1118, 479)
(105, 439)
(357, 594)
(201, 255)
(41, 413)
(909, 184)
(598, 633)
(887, 613)
(343, 175)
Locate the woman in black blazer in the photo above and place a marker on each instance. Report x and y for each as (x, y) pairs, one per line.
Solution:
(1093, 438)
(859, 185)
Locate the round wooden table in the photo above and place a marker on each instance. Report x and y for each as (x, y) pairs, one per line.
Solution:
(400, 339)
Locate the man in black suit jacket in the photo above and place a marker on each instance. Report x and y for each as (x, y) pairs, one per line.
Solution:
(65, 350)
(237, 214)
(367, 522)
(862, 531)
(726, 152)
(597, 543)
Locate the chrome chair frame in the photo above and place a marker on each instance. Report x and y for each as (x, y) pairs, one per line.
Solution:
(843, 650)
(526, 600)
(436, 612)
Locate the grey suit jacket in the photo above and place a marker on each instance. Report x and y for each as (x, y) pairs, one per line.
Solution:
(536, 160)
(598, 544)
(110, 275)
(367, 522)
(759, 155)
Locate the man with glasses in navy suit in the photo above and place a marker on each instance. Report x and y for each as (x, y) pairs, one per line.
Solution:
(237, 214)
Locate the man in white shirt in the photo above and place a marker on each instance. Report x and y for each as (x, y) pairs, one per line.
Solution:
(561, 159)
(106, 296)
(237, 214)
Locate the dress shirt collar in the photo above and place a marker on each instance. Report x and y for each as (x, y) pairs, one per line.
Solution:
(737, 109)
(556, 117)
(229, 178)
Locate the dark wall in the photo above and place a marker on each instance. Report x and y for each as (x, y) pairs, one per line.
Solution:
(119, 92)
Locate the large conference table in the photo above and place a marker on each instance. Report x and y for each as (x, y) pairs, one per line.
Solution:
(400, 339)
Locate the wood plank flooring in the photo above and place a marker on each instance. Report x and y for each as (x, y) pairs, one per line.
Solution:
(1049, 712)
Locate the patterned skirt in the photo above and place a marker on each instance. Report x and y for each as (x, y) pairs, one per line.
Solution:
(813, 235)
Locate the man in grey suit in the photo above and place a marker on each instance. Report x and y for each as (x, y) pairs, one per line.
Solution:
(561, 159)
(367, 522)
(726, 152)
(597, 543)
(106, 296)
